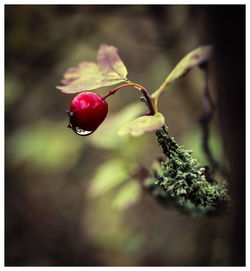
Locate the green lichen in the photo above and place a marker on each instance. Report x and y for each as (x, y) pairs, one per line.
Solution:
(183, 182)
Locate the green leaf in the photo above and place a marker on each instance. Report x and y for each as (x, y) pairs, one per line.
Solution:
(143, 124)
(110, 70)
(192, 59)
(44, 145)
(129, 194)
(108, 176)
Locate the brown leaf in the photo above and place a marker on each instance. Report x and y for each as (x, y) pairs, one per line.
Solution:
(110, 70)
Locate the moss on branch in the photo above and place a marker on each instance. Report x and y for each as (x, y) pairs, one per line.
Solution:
(185, 183)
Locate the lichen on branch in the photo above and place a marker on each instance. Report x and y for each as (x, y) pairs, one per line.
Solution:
(183, 180)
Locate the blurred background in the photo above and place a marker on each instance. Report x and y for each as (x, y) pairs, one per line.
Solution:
(77, 201)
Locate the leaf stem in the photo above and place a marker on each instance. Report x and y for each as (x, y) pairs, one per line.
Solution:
(141, 88)
(156, 104)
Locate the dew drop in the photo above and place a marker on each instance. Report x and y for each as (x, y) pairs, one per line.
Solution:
(81, 132)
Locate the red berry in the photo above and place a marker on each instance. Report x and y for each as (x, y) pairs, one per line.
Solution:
(87, 111)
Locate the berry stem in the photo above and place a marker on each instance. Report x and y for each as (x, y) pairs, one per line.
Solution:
(141, 88)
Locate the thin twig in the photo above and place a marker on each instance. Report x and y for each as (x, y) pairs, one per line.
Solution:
(208, 112)
(141, 88)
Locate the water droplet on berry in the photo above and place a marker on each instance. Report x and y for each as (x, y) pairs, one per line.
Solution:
(82, 132)
(76, 129)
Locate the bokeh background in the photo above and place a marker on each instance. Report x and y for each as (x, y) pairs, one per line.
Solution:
(77, 201)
